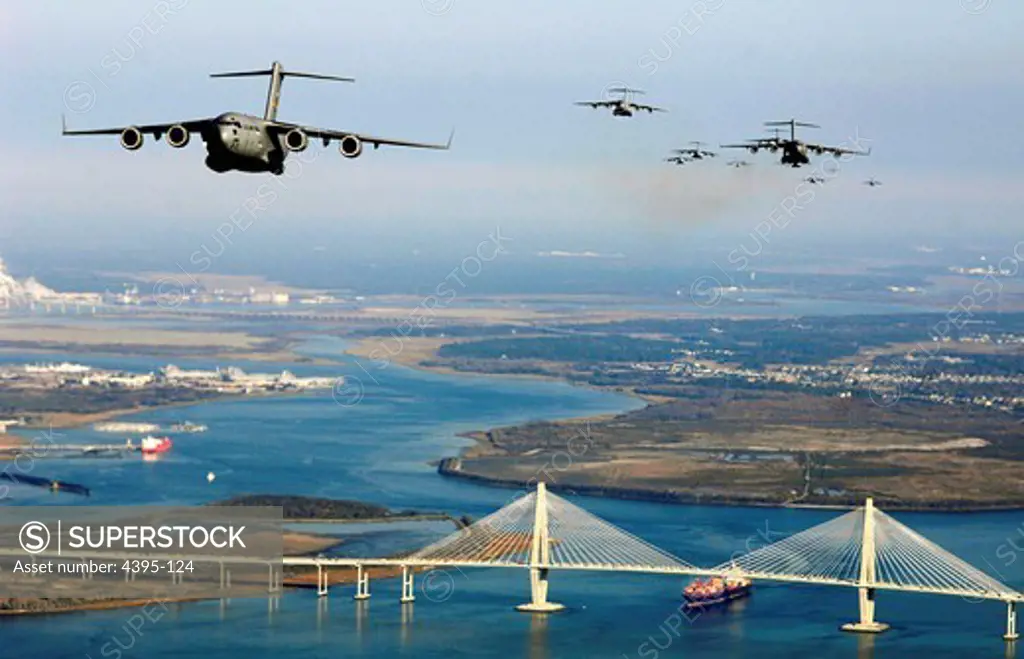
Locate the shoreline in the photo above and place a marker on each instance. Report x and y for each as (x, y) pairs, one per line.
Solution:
(414, 359)
(99, 605)
(425, 517)
(451, 468)
(73, 420)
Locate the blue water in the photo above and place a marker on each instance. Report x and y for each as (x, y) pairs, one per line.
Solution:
(377, 446)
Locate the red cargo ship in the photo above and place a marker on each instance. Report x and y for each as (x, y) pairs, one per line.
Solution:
(701, 593)
(151, 445)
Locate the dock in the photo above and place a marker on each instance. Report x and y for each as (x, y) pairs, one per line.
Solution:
(44, 450)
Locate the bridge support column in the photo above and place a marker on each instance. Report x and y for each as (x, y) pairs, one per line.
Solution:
(408, 590)
(1011, 622)
(321, 581)
(540, 559)
(273, 583)
(866, 592)
(539, 594)
(362, 584)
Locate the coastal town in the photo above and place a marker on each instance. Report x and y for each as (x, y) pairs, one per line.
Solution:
(229, 380)
(907, 377)
(978, 367)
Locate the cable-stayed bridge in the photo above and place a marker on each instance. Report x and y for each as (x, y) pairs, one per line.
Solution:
(864, 549)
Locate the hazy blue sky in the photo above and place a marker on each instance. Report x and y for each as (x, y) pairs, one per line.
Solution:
(936, 85)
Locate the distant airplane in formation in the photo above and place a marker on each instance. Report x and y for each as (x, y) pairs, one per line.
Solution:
(247, 143)
(794, 151)
(872, 182)
(695, 152)
(623, 107)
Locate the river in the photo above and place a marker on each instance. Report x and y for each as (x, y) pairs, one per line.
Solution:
(374, 441)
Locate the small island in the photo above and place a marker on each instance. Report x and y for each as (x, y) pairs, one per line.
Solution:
(315, 509)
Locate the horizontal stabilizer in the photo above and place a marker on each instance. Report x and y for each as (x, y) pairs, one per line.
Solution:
(242, 74)
(283, 73)
(316, 76)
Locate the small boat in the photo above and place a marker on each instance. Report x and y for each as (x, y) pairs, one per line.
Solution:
(188, 426)
(717, 590)
(151, 444)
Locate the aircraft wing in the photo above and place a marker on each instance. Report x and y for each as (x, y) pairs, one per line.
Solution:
(192, 126)
(331, 134)
(597, 104)
(649, 108)
(837, 150)
(749, 145)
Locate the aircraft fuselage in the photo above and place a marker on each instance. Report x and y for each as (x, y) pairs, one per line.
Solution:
(794, 154)
(623, 109)
(242, 142)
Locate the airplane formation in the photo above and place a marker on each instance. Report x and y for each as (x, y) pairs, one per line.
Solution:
(793, 152)
(237, 141)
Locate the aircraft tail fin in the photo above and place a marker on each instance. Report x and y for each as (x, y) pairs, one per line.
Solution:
(277, 73)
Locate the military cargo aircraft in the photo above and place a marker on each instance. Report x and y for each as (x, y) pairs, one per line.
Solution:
(623, 107)
(248, 143)
(794, 152)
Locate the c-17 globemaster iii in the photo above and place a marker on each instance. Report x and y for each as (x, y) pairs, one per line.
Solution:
(247, 143)
(794, 152)
(622, 107)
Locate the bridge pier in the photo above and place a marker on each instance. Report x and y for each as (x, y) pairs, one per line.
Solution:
(362, 584)
(1011, 622)
(866, 593)
(867, 623)
(321, 581)
(539, 594)
(273, 583)
(225, 577)
(540, 558)
(408, 591)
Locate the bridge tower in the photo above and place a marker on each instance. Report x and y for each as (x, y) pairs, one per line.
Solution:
(866, 585)
(540, 559)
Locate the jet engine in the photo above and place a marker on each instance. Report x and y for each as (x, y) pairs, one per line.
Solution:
(773, 149)
(296, 140)
(131, 138)
(753, 149)
(177, 136)
(350, 146)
